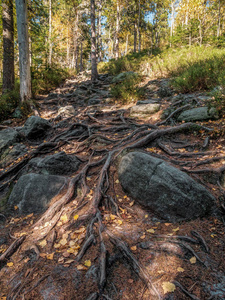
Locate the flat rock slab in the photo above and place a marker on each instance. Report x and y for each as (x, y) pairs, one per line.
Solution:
(33, 192)
(145, 109)
(56, 164)
(163, 189)
(198, 114)
(8, 137)
(149, 101)
(35, 127)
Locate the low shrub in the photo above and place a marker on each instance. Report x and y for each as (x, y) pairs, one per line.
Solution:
(8, 102)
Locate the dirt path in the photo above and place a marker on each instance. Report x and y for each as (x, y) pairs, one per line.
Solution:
(95, 242)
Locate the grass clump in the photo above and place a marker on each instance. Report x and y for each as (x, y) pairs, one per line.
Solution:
(127, 90)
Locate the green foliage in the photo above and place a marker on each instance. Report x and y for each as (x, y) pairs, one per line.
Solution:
(8, 103)
(45, 80)
(127, 90)
(218, 96)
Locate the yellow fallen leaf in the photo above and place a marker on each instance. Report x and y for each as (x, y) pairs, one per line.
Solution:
(112, 217)
(64, 218)
(120, 222)
(72, 243)
(168, 287)
(81, 230)
(167, 224)
(15, 207)
(61, 260)
(63, 242)
(143, 236)
(176, 229)
(193, 260)
(117, 181)
(133, 248)
(57, 246)
(75, 217)
(150, 230)
(180, 269)
(43, 243)
(10, 264)
(50, 256)
(146, 216)
(87, 263)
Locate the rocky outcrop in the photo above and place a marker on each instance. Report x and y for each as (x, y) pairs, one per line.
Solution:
(165, 190)
(35, 127)
(56, 164)
(145, 109)
(198, 114)
(33, 192)
(8, 137)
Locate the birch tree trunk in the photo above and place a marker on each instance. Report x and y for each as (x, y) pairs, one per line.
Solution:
(135, 37)
(50, 35)
(94, 72)
(139, 31)
(8, 45)
(117, 29)
(23, 40)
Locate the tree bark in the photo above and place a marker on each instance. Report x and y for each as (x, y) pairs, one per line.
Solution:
(8, 45)
(117, 29)
(139, 31)
(94, 72)
(23, 40)
(135, 37)
(50, 35)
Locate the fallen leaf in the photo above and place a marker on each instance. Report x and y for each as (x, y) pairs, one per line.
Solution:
(72, 243)
(15, 207)
(61, 260)
(87, 263)
(81, 267)
(66, 254)
(112, 217)
(64, 218)
(10, 264)
(150, 230)
(117, 181)
(57, 246)
(133, 248)
(193, 260)
(63, 242)
(43, 243)
(176, 229)
(168, 287)
(75, 217)
(180, 269)
(143, 236)
(146, 216)
(43, 255)
(131, 203)
(120, 222)
(50, 256)
(69, 261)
(167, 224)
(130, 280)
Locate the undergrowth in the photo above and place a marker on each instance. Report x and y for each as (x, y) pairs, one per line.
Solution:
(8, 102)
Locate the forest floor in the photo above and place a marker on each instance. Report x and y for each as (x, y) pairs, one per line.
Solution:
(90, 244)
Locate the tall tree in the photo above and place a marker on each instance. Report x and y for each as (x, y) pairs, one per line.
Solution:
(8, 45)
(94, 71)
(50, 35)
(23, 40)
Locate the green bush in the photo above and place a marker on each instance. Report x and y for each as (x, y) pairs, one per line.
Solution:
(127, 90)
(45, 80)
(8, 102)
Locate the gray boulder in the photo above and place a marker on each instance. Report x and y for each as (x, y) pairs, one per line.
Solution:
(149, 101)
(35, 127)
(198, 114)
(145, 109)
(56, 164)
(11, 154)
(33, 192)
(8, 137)
(165, 190)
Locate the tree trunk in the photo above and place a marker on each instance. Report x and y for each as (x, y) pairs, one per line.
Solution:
(81, 56)
(117, 29)
(23, 40)
(135, 37)
(127, 41)
(99, 36)
(8, 45)
(50, 35)
(219, 20)
(139, 31)
(94, 72)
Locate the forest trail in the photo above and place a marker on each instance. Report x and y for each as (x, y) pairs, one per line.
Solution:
(95, 241)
